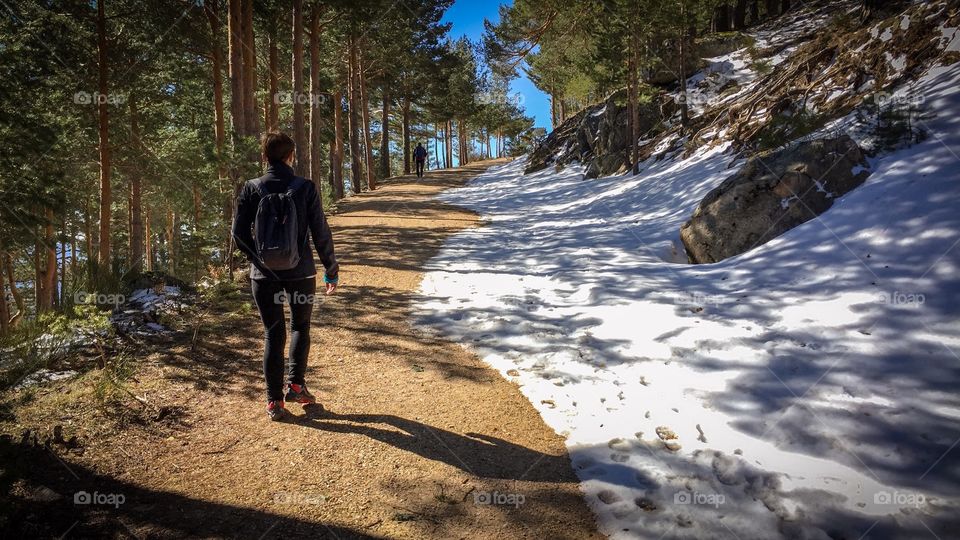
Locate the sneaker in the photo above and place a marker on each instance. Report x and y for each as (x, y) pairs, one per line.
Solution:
(298, 393)
(276, 410)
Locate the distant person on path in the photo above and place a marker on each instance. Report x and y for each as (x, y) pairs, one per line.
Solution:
(420, 155)
(277, 214)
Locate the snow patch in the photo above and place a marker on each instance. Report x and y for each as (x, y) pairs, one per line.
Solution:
(801, 389)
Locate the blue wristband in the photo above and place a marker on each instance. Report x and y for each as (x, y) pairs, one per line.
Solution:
(326, 279)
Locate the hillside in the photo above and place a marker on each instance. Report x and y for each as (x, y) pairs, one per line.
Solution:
(801, 389)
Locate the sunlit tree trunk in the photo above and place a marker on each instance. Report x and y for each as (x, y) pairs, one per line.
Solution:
(365, 113)
(405, 109)
(302, 164)
(252, 119)
(336, 150)
(448, 130)
(436, 145)
(235, 40)
(316, 172)
(385, 136)
(356, 171)
(273, 111)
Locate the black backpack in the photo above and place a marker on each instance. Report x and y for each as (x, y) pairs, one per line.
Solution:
(276, 227)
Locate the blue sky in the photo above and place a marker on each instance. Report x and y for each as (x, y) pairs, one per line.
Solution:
(467, 19)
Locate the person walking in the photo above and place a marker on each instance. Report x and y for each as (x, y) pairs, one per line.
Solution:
(277, 214)
(420, 156)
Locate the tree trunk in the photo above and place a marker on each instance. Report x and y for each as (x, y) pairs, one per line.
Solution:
(405, 109)
(721, 18)
(235, 41)
(63, 266)
(48, 274)
(237, 116)
(365, 112)
(448, 131)
(553, 112)
(211, 8)
(463, 142)
(103, 120)
(436, 145)
(273, 111)
(336, 162)
(784, 6)
(315, 171)
(17, 297)
(197, 211)
(684, 109)
(73, 251)
(754, 11)
(302, 163)
(172, 230)
(633, 86)
(88, 231)
(136, 211)
(252, 120)
(148, 243)
(771, 8)
(356, 170)
(4, 310)
(740, 15)
(385, 136)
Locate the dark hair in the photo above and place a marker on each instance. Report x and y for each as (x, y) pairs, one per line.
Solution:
(277, 146)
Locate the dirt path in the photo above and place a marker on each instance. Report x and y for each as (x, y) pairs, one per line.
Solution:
(416, 432)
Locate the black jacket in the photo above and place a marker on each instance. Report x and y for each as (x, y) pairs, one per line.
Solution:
(311, 218)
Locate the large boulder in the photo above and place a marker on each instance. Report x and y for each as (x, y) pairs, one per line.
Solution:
(770, 195)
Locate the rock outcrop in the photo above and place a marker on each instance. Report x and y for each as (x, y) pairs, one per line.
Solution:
(597, 136)
(770, 195)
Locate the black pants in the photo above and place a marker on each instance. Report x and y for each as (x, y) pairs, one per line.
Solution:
(270, 298)
(420, 167)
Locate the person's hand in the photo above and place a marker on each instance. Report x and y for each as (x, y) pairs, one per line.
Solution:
(331, 287)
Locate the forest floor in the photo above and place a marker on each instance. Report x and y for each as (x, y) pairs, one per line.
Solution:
(418, 437)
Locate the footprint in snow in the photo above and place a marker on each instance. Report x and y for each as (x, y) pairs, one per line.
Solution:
(645, 504)
(607, 496)
(670, 439)
(619, 444)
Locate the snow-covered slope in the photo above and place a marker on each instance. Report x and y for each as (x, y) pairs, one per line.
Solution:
(810, 383)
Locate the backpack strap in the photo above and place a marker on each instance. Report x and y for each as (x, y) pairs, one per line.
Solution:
(295, 184)
(261, 187)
